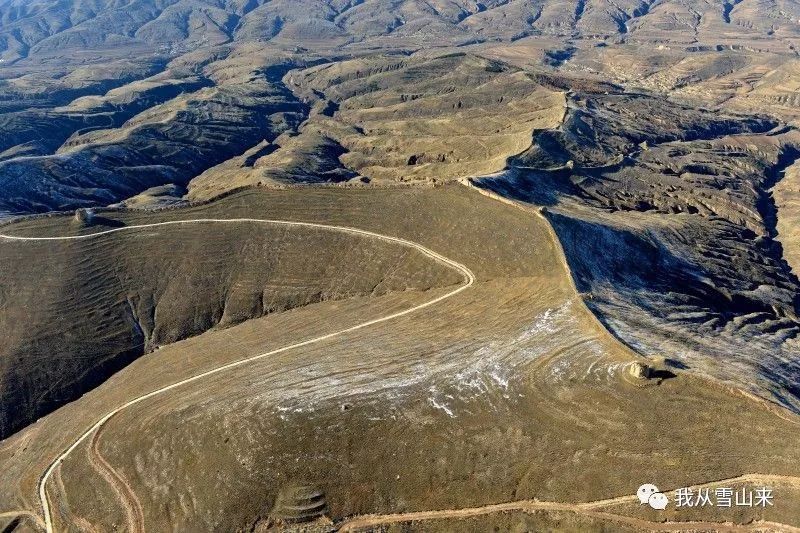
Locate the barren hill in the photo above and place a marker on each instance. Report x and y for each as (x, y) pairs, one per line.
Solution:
(95, 96)
(527, 250)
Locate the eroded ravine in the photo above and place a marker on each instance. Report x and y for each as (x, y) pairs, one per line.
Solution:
(514, 366)
(658, 225)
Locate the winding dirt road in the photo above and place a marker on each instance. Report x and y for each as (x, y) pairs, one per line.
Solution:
(588, 509)
(469, 279)
(368, 522)
(134, 515)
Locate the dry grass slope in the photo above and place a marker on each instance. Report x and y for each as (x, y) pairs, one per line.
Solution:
(391, 120)
(97, 304)
(508, 391)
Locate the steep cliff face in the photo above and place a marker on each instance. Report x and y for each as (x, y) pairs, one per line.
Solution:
(787, 203)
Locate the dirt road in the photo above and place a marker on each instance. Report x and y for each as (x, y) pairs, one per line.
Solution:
(588, 509)
(134, 515)
(469, 279)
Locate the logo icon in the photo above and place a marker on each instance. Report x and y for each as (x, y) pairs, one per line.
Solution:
(645, 491)
(658, 501)
(649, 494)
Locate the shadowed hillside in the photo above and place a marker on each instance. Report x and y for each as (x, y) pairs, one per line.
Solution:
(669, 226)
(596, 282)
(95, 305)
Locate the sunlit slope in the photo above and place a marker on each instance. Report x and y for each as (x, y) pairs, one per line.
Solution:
(509, 390)
(40, 30)
(389, 119)
(442, 118)
(74, 312)
(787, 201)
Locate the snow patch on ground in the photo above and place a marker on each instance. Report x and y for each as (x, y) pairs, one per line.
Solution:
(483, 372)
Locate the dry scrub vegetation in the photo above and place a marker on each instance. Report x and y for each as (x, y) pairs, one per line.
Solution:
(511, 390)
(655, 143)
(391, 119)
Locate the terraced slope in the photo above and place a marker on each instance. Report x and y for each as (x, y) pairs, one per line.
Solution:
(683, 204)
(167, 143)
(389, 119)
(659, 137)
(95, 305)
(181, 72)
(44, 29)
(508, 391)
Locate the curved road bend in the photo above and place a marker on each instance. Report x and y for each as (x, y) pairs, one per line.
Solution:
(469, 279)
(357, 523)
